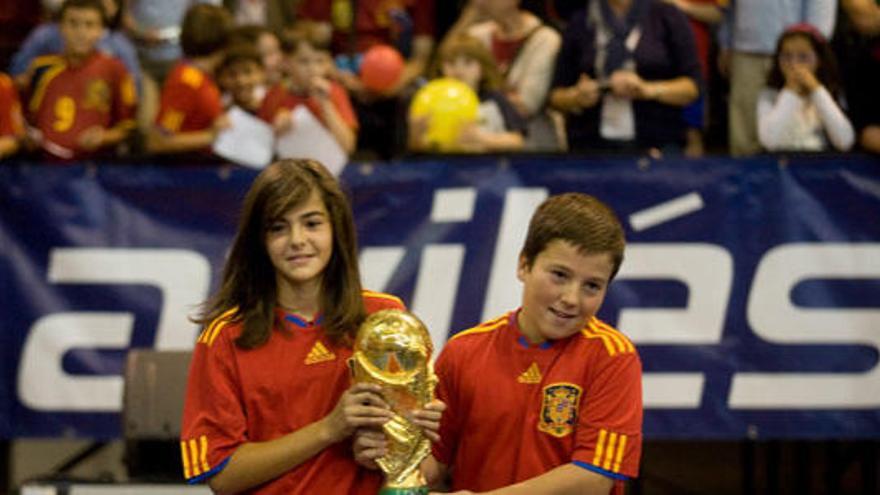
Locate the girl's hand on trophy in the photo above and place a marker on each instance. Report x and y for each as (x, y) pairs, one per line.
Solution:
(429, 419)
(369, 445)
(360, 406)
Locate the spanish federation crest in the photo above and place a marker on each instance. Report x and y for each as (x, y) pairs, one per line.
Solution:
(560, 408)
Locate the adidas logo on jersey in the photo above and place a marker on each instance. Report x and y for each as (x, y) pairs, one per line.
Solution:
(531, 375)
(319, 354)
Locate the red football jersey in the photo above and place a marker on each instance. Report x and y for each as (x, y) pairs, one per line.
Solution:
(190, 100)
(279, 97)
(517, 410)
(65, 100)
(236, 396)
(11, 122)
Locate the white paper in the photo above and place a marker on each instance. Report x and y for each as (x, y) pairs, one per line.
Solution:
(617, 121)
(247, 141)
(308, 138)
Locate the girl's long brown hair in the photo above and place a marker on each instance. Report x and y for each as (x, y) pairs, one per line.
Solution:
(248, 285)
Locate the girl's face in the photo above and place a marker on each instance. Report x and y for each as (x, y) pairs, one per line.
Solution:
(465, 69)
(303, 65)
(797, 51)
(300, 244)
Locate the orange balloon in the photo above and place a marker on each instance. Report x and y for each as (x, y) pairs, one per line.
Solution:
(381, 68)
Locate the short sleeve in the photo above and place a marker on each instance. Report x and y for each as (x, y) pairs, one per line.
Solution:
(214, 422)
(177, 101)
(609, 434)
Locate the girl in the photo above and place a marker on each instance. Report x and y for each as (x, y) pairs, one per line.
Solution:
(500, 127)
(309, 84)
(269, 406)
(799, 109)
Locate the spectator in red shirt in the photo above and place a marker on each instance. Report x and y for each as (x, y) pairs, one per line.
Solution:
(190, 111)
(81, 101)
(308, 84)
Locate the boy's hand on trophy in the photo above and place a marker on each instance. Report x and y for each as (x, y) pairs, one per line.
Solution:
(429, 419)
(369, 444)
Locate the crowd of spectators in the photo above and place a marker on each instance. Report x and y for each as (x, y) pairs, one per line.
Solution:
(159, 78)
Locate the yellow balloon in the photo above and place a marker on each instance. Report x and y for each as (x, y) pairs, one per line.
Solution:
(449, 104)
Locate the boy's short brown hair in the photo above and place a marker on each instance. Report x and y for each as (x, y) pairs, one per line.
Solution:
(237, 53)
(205, 30)
(580, 219)
(96, 5)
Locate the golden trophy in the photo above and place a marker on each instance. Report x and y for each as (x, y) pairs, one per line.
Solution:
(393, 349)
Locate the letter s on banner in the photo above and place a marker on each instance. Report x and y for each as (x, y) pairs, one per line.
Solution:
(707, 271)
(772, 316)
(182, 277)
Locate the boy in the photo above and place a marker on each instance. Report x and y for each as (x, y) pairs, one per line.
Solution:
(310, 84)
(81, 101)
(190, 111)
(242, 77)
(11, 121)
(547, 398)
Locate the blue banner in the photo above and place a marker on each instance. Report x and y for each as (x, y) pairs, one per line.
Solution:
(751, 287)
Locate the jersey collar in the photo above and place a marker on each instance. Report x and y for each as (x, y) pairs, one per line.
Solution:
(513, 324)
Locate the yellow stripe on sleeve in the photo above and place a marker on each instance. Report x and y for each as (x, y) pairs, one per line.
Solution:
(591, 333)
(620, 451)
(486, 327)
(609, 452)
(600, 447)
(623, 339)
(213, 329)
(627, 343)
(204, 454)
(186, 472)
(194, 455)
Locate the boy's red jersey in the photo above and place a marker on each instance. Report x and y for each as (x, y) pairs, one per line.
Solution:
(517, 410)
(236, 396)
(190, 100)
(280, 97)
(67, 99)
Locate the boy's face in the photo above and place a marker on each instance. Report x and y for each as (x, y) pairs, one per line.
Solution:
(465, 69)
(305, 64)
(81, 28)
(241, 79)
(561, 291)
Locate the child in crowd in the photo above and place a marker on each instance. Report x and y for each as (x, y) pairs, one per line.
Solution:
(190, 111)
(81, 101)
(268, 46)
(11, 121)
(546, 398)
(500, 127)
(269, 402)
(309, 84)
(242, 77)
(800, 108)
